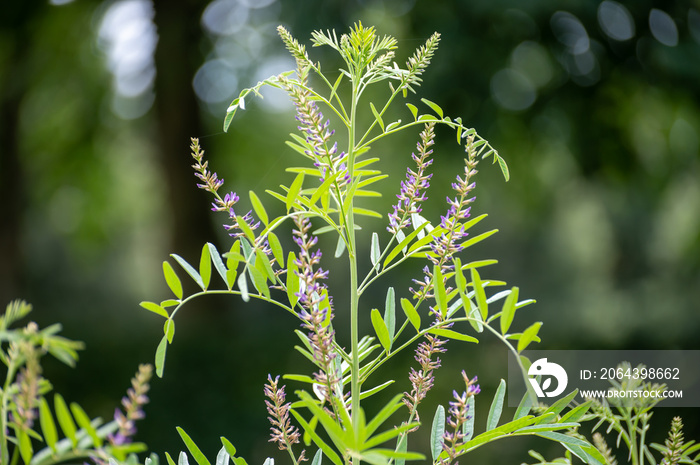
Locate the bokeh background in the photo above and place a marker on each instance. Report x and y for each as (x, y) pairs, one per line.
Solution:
(595, 106)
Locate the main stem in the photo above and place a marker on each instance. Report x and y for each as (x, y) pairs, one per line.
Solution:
(354, 296)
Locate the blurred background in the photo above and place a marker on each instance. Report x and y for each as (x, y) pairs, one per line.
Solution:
(594, 105)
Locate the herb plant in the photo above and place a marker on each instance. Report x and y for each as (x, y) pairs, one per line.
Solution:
(328, 195)
(26, 416)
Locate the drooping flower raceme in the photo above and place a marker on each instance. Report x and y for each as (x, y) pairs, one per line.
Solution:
(451, 239)
(211, 183)
(316, 130)
(133, 404)
(417, 182)
(282, 431)
(458, 416)
(318, 309)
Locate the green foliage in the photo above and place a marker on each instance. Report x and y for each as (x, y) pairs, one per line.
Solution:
(328, 196)
(66, 432)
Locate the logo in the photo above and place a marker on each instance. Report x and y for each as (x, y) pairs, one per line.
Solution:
(547, 370)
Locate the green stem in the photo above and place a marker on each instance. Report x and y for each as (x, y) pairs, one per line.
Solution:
(354, 296)
(4, 450)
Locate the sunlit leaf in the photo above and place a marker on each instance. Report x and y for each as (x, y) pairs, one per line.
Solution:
(435, 107)
(411, 313)
(155, 308)
(192, 447)
(496, 407)
(437, 432)
(390, 312)
(508, 310)
(173, 281)
(528, 336)
(258, 208)
(380, 329)
(377, 116)
(205, 266)
(190, 271)
(48, 426)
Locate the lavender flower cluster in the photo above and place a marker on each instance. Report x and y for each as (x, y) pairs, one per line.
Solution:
(211, 183)
(317, 133)
(417, 182)
(133, 404)
(282, 431)
(318, 306)
(458, 416)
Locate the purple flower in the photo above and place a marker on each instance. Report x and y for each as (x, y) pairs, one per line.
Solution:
(133, 407)
(413, 188)
(450, 241)
(317, 133)
(458, 416)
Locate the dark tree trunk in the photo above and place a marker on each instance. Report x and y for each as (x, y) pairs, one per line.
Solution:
(178, 118)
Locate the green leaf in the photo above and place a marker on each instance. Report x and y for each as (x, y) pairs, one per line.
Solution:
(319, 453)
(387, 411)
(375, 251)
(243, 287)
(440, 292)
(390, 312)
(25, 445)
(437, 432)
(228, 446)
(380, 329)
(294, 190)
(192, 447)
(377, 116)
(65, 419)
(322, 445)
(496, 407)
(479, 238)
(528, 336)
(169, 329)
(366, 212)
(223, 457)
(189, 269)
(245, 228)
(393, 125)
(323, 188)
(263, 264)
(576, 413)
(259, 281)
(508, 310)
(160, 356)
(83, 421)
(562, 403)
(468, 427)
(48, 427)
(480, 294)
(371, 392)
(339, 247)
(205, 266)
(435, 107)
(169, 459)
(411, 313)
(524, 407)
(414, 111)
(448, 333)
(173, 281)
(276, 248)
(402, 448)
(218, 263)
(258, 208)
(292, 284)
(155, 308)
(403, 244)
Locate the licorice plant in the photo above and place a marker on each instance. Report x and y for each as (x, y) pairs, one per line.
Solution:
(328, 195)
